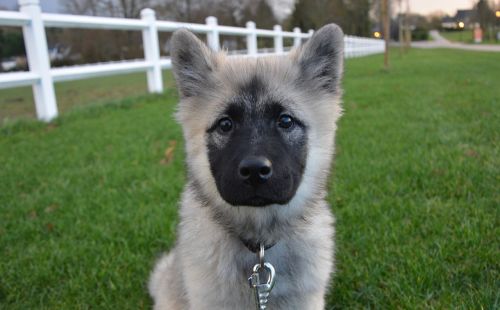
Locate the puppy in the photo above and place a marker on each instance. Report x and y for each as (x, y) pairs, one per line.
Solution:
(259, 138)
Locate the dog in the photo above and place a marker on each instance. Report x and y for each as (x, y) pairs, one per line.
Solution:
(259, 135)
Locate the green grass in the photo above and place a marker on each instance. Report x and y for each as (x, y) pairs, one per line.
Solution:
(88, 202)
(18, 102)
(464, 36)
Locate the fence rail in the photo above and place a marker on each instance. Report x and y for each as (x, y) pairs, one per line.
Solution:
(42, 77)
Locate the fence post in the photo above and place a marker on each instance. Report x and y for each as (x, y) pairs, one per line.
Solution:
(297, 40)
(152, 51)
(213, 35)
(251, 39)
(310, 32)
(359, 46)
(38, 59)
(347, 46)
(278, 39)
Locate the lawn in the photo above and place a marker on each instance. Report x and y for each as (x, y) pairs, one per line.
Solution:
(89, 201)
(464, 36)
(16, 103)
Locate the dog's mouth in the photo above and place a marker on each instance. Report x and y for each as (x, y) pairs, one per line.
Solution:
(265, 195)
(257, 201)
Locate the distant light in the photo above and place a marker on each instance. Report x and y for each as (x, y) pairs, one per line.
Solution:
(497, 14)
(461, 25)
(377, 34)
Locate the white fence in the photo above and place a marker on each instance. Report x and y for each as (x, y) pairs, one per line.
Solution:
(42, 77)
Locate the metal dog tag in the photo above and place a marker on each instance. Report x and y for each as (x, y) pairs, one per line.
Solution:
(262, 290)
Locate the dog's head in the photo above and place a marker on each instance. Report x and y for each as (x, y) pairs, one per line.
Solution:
(259, 131)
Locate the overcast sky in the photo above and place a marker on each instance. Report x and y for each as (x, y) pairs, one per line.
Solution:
(447, 6)
(417, 6)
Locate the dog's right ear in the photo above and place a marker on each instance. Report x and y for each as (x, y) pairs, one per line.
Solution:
(192, 62)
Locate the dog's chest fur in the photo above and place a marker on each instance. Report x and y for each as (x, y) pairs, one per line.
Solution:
(217, 265)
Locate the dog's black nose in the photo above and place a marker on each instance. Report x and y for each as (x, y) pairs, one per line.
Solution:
(255, 169)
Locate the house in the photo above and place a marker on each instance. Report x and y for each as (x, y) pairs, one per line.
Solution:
(466, 17)
(462, 19)
(448, 22)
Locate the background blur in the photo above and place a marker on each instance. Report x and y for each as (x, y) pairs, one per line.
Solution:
(356, 17)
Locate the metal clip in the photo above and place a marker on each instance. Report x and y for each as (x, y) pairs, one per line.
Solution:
(262, 290)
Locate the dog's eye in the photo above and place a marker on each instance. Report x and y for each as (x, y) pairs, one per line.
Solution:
(225, 124)
(285, 121)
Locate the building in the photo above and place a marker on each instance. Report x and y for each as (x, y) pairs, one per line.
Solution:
(462, 19)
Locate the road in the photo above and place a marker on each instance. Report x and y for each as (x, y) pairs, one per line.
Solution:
(440, 42)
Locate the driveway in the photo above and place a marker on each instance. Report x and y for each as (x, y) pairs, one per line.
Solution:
(440, 42)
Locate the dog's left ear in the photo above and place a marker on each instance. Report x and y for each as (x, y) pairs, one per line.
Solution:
(321, 59)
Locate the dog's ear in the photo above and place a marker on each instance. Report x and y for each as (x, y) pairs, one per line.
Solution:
(193, 63)
(321, 59)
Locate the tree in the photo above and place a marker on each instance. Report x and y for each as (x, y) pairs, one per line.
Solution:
(114, 8)
(11, 43)
(358, 17)
(434, 19)
(386, 30)
(312, 14)
(352, 15)
(263, 15)
(104, 45)
(228, 12)
(485, 17)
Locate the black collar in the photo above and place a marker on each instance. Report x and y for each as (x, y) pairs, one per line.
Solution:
(254, 246)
